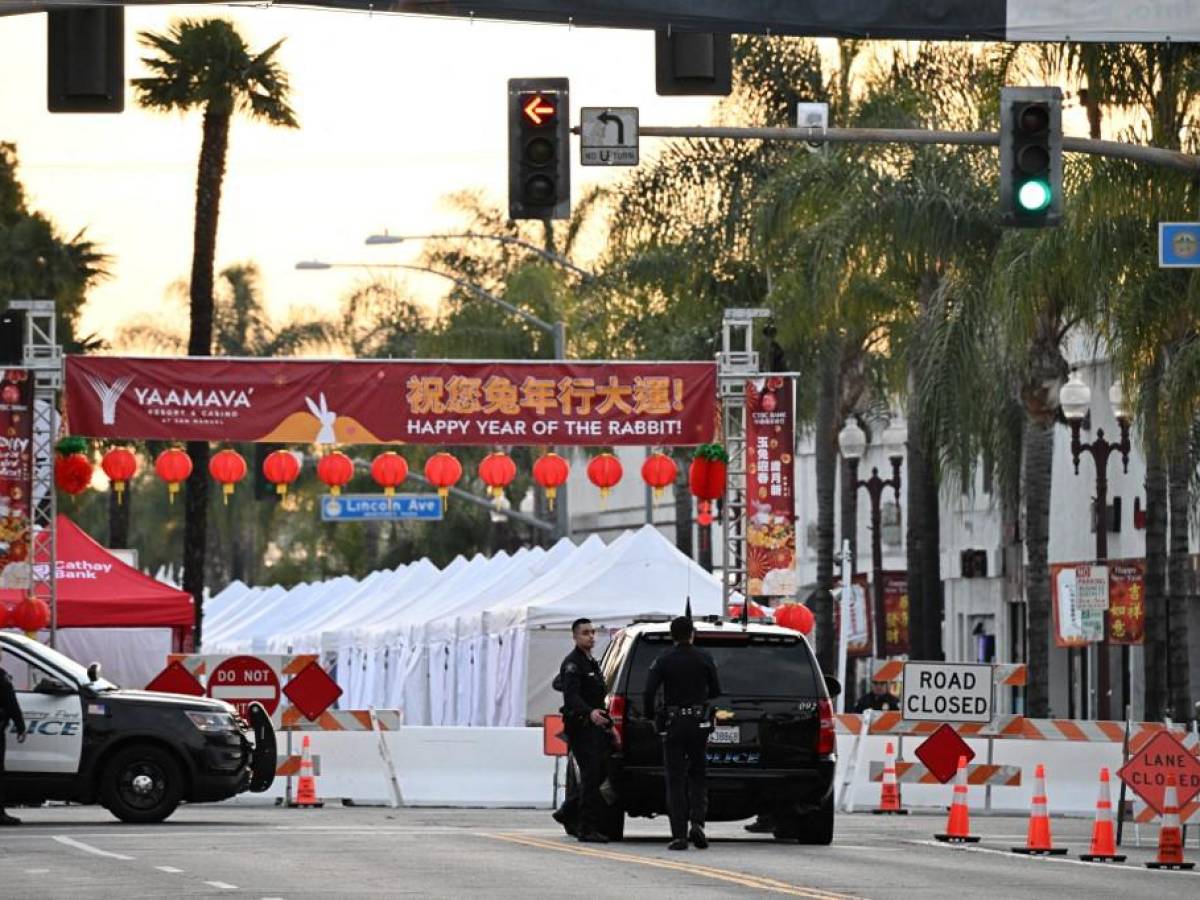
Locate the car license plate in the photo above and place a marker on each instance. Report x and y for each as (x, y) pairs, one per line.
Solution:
(726, 734)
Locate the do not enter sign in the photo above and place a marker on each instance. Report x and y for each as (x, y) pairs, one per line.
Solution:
(242, 680)
(1146, 774)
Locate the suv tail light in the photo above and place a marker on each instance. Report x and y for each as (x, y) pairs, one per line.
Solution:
(616, 712)
(827, 736)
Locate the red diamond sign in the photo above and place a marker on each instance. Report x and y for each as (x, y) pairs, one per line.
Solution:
(176, 679)
(940, 752)
(1146, 774)
(312, 691)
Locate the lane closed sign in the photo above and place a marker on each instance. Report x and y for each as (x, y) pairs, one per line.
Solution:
(947, 692)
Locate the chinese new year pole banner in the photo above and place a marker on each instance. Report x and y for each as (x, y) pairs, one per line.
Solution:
(16, 465)
(770, 477)
(860, 639)
(1126, 601)
(376, 402)
(895, 612)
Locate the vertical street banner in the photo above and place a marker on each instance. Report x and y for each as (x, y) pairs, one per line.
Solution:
(1126, 603)
(16, 468)
(1071, 626)
(860, 638)
(895, 611)
(770, 488)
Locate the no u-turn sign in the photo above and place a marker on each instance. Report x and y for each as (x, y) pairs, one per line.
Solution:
(947, 692)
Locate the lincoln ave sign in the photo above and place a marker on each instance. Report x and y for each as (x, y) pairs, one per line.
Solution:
(947, 692)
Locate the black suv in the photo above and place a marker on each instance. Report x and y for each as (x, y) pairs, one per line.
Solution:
(773, 749)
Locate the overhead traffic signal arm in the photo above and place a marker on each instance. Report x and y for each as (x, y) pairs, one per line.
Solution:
(539, 143)
(1031, 146)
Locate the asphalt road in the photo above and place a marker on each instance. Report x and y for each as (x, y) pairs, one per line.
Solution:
(262, 852)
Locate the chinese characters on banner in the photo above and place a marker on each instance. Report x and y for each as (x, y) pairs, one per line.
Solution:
(770, 477)
(1076, 625)
(374, 402)
(860, 636)
(16, 466)
(895, 611)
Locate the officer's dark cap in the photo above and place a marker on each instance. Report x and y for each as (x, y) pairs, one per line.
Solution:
(682, 628)
(575, 626)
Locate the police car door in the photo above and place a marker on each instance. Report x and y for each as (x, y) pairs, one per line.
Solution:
(53, 712)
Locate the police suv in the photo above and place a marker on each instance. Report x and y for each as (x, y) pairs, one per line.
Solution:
(137, 753)
(772, 751)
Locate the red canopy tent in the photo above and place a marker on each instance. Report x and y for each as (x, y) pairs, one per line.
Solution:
(97, 590)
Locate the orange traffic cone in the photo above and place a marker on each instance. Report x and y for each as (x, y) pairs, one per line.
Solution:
(306, 790)
(889, 789)
(1104, 847)
(1170, 838)
(1037, 841)
(958, 826)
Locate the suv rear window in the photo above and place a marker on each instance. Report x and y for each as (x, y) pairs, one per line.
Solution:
(749, 665)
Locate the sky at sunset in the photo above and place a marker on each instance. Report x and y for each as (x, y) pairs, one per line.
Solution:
(395, 112)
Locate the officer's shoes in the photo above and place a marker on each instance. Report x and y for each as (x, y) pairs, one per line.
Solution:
(696, 836)
(592, 837)
(565, 821)
(678, 844)
(6, 819)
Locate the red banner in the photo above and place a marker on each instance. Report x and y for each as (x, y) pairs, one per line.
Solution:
(377, 402)
(895, 612)
(1127, 601)
(860, 639)
(770, 480)
(16, 465)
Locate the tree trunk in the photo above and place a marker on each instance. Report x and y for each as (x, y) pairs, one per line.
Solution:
(209, 177)
(1156, 555)
(683, 508)
(1038, 467)
(118, 517)
(826, 458)
(1181, 584)
(849, 490)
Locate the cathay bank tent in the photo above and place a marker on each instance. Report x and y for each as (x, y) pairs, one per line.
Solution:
(110, 612)
(475, 643)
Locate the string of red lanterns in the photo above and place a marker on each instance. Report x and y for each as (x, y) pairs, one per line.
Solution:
(659, 471)
(497, 470)
(174, 467)
(120, 465)
(228, 467)
(604, 471)
(281, 468)
(551, 471)
(335, 469)
(389, 471)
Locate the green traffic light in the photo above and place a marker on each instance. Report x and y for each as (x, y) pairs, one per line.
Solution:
(1034, 196)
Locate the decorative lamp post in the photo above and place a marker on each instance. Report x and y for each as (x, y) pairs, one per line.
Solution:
(1075, 398)
(853, 443)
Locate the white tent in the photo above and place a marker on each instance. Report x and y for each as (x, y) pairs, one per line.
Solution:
(475, 643)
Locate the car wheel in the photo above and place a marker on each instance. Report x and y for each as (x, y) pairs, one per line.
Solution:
(142, 784)
(817, 826)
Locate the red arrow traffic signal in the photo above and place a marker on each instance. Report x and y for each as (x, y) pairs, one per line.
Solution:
(537, 109)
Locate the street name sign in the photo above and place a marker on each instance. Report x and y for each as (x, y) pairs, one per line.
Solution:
(1178, 245)
(947, 692)
(1146, 774)
(377, 507)
(608, 136)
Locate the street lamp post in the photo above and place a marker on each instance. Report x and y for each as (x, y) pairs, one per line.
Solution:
(556, 330)
(853, 443)
(385, 239)
(1074, 398)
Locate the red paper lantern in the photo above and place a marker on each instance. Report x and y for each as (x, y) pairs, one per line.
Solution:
(497, 470)
(604, 471)
(335, 469)
(120, 465)
(31, 615)
(389, 471)
(706, 478)
(704, 513)
(174, 467)
(795, 616)
(551, 471)
(281, 468)
(658, 471)
(73, 473)
(443, 471)
(227, 467)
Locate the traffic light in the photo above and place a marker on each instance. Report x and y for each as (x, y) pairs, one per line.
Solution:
(1031, 156)
(85, 60)
(692, 63)
(539, 148)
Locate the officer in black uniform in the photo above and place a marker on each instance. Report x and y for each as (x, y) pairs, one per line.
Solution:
(588, 727)
(10, 710)
(879, 699)
(688, 678)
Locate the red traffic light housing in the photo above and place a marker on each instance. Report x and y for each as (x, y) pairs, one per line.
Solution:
(539, 167)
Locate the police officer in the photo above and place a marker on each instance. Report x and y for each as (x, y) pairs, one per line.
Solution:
(879, 699)
(10, 710)
(688, 678)
(588, 727)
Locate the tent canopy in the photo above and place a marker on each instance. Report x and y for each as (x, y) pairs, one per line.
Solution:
(97, 590)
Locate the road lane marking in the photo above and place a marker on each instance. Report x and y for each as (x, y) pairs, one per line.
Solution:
(1109, 867)
(170, 870)
(88, 848)
(36, 871)
(222, 885)
(744, 879)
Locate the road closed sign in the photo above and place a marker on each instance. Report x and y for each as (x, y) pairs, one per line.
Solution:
(947, 692)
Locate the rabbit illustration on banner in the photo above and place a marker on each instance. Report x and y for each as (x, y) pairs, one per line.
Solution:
(325, 434)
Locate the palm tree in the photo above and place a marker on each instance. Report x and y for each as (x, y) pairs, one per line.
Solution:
(206, 65)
